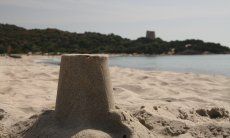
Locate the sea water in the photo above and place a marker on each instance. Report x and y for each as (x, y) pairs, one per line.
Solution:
(204, 64)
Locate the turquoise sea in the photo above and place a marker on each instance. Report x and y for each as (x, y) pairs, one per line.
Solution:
(204, 64)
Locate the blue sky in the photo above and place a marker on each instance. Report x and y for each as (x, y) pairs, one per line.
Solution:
(208, 20)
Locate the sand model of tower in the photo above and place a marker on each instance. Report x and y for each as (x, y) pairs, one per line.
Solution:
(85, 103)
(84, 90)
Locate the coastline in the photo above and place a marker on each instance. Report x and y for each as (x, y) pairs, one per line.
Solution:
(218, 63)
(165, 99)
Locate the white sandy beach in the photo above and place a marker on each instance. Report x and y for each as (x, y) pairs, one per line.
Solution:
(166, 103)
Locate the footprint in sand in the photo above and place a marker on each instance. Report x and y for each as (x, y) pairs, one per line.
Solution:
(164, 83)
(143, 77)
(28, 110)
(172, 99)
(10, 74)
(133, 88)
(6, 90)
(118, 90)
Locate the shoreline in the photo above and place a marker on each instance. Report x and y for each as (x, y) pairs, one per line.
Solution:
(42, 59)
(52, 61)
(116, 54)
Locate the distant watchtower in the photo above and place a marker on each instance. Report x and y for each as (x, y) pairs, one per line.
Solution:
(150, 35)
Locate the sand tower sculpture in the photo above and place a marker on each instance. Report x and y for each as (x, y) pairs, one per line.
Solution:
(84, 81)
(85, 105)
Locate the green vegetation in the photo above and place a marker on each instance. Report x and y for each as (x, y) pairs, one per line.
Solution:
(56, 41)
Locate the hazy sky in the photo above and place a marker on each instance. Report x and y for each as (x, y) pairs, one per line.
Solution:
(171, 19)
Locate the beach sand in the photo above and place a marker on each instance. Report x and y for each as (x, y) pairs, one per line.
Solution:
(166, 103)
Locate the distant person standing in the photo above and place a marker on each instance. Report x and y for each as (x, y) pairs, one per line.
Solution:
(9, 50)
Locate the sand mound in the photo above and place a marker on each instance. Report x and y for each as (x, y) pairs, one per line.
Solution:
(121, 124)
(210, 131)
(160, 125)
(213, 113)
(183, 126)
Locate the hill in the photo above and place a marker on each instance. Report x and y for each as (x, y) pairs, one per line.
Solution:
(50, 40)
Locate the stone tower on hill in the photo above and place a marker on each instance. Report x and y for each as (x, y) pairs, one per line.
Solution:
(150, 35)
